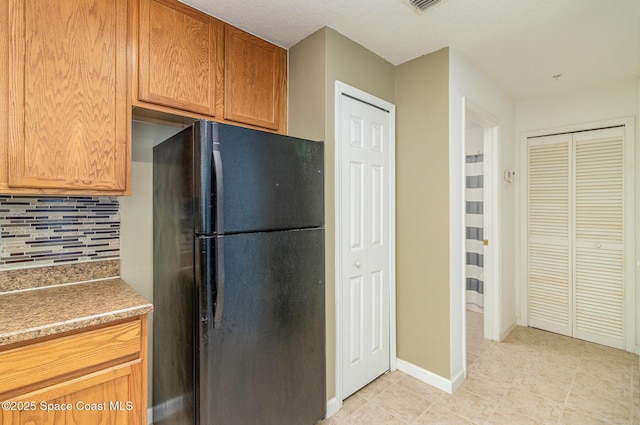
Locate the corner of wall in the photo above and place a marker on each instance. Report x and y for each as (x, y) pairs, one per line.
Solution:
(306, 87)
(422, 223)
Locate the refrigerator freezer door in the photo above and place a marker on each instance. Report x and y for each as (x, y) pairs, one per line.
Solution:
(271, 182)
(266, 363)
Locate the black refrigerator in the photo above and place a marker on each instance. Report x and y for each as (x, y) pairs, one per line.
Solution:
(238, 292)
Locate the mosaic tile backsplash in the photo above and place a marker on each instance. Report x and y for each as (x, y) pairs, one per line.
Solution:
(47, 230)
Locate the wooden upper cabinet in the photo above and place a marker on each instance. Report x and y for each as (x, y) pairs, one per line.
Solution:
(187, 63)
(69, 114)
(177, 56)
(255, 81)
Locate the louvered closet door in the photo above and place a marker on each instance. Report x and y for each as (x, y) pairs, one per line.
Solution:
(549, 233)
(599, 237)
(576, 235)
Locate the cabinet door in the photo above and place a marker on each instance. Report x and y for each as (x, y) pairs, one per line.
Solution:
(106, 397)
(68, 111)
(255, 81)
(177, 56)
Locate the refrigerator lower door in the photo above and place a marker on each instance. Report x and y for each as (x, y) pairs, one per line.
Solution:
(265, 363)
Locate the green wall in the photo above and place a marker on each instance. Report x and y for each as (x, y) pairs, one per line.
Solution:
(422, 212)
(420, 91)
(307, 93)
(314, 65)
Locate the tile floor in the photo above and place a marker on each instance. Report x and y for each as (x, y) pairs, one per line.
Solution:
(533, 377)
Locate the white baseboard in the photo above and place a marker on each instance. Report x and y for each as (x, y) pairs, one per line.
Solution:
(149, 416)
(431, 378)
(333, 405)
(507, 330)
(457, 380)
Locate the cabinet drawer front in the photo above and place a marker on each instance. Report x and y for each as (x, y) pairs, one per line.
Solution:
(41, 361)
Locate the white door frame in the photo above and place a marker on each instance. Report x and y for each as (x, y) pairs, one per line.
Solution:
(493, 290)
(522, 271)
(340, 89)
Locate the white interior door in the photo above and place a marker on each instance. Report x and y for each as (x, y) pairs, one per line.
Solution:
(364, 243)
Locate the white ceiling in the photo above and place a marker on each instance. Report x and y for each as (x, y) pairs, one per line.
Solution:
(519, 44)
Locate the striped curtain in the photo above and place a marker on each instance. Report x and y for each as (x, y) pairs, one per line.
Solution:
(475, 232)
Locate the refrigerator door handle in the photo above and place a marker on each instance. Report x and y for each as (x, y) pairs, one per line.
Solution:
(219, 279)
(219, 186)
(219, 241)
(210, 281)
(205, 276)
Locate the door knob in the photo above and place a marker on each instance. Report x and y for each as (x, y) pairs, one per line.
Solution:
(357, 264)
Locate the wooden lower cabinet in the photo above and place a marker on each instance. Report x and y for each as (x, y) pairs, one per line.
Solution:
(110, 390)
(105, 397)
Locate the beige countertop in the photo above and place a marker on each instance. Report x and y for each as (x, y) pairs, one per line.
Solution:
(43, 311)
